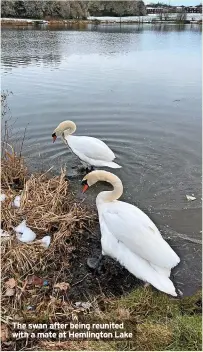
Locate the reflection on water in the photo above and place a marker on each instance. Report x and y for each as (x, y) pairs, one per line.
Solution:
(30, 47)
(35, 46)
(138, 88)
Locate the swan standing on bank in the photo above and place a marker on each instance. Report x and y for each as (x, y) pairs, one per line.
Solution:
(130, 237)
(90, 150)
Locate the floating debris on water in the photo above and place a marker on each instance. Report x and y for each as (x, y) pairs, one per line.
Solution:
(190, 197)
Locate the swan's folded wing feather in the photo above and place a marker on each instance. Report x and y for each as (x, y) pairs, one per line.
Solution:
(134, 228)
(91, 147)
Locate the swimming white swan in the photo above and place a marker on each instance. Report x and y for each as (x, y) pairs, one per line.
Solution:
(90, 150)
(129, 236)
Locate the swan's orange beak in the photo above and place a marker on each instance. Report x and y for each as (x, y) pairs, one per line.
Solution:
(54, 138)
(85, 188)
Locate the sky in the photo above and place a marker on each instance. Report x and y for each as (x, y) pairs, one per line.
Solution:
(176, 2)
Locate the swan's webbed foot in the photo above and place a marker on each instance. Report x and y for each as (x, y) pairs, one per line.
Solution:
(89, 170)
(95, 263)
(146, 285)
(81, 168)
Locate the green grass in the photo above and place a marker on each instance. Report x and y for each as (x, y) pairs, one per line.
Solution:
(160, 322)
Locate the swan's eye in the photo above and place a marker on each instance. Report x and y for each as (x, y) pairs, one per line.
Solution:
(84, 182)
(54, 137)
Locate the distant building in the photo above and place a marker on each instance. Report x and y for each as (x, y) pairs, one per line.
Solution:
(160, 9)
(189, 9)
(194, 9)
(151, 9)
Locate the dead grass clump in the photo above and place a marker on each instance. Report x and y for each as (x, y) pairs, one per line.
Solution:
(44, 203)
(13, 171)
(21, 258)
(153, 337)
(48, 208)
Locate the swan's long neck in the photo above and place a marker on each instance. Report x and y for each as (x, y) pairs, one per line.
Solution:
(110, 196)
(70, 130)
(65, 129)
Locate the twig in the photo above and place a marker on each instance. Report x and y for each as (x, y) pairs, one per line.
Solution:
(22, 289)
(78, 282)
(21, 148)
(100, 287)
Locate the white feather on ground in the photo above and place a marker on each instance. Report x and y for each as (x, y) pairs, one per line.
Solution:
(2, 197)
(24, 233)
(4, 233)
(45, 241)
(16, 201)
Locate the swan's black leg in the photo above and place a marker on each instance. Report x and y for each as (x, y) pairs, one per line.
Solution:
(88, 170)
(95, 263)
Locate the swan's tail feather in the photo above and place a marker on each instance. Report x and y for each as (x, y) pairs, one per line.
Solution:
(163, 271)
(142, 269)
(112, 165)
(165, 285)
(158, 279)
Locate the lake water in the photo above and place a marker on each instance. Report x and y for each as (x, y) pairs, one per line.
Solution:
(138, 88)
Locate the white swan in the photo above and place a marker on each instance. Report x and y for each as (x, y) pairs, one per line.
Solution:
(90, 150)
(129, 236)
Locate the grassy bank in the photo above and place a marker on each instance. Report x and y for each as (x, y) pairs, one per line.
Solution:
(42, 285)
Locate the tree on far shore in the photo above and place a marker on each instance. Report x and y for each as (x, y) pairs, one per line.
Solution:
(44, 9)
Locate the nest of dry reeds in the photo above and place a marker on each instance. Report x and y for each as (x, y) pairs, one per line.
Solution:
(46, 205)
(49, 208)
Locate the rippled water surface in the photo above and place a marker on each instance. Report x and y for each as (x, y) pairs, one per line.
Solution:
(136, 88)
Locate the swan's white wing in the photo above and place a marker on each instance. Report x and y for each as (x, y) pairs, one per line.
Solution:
(91, 147)
(137, 232)
(141, 268)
